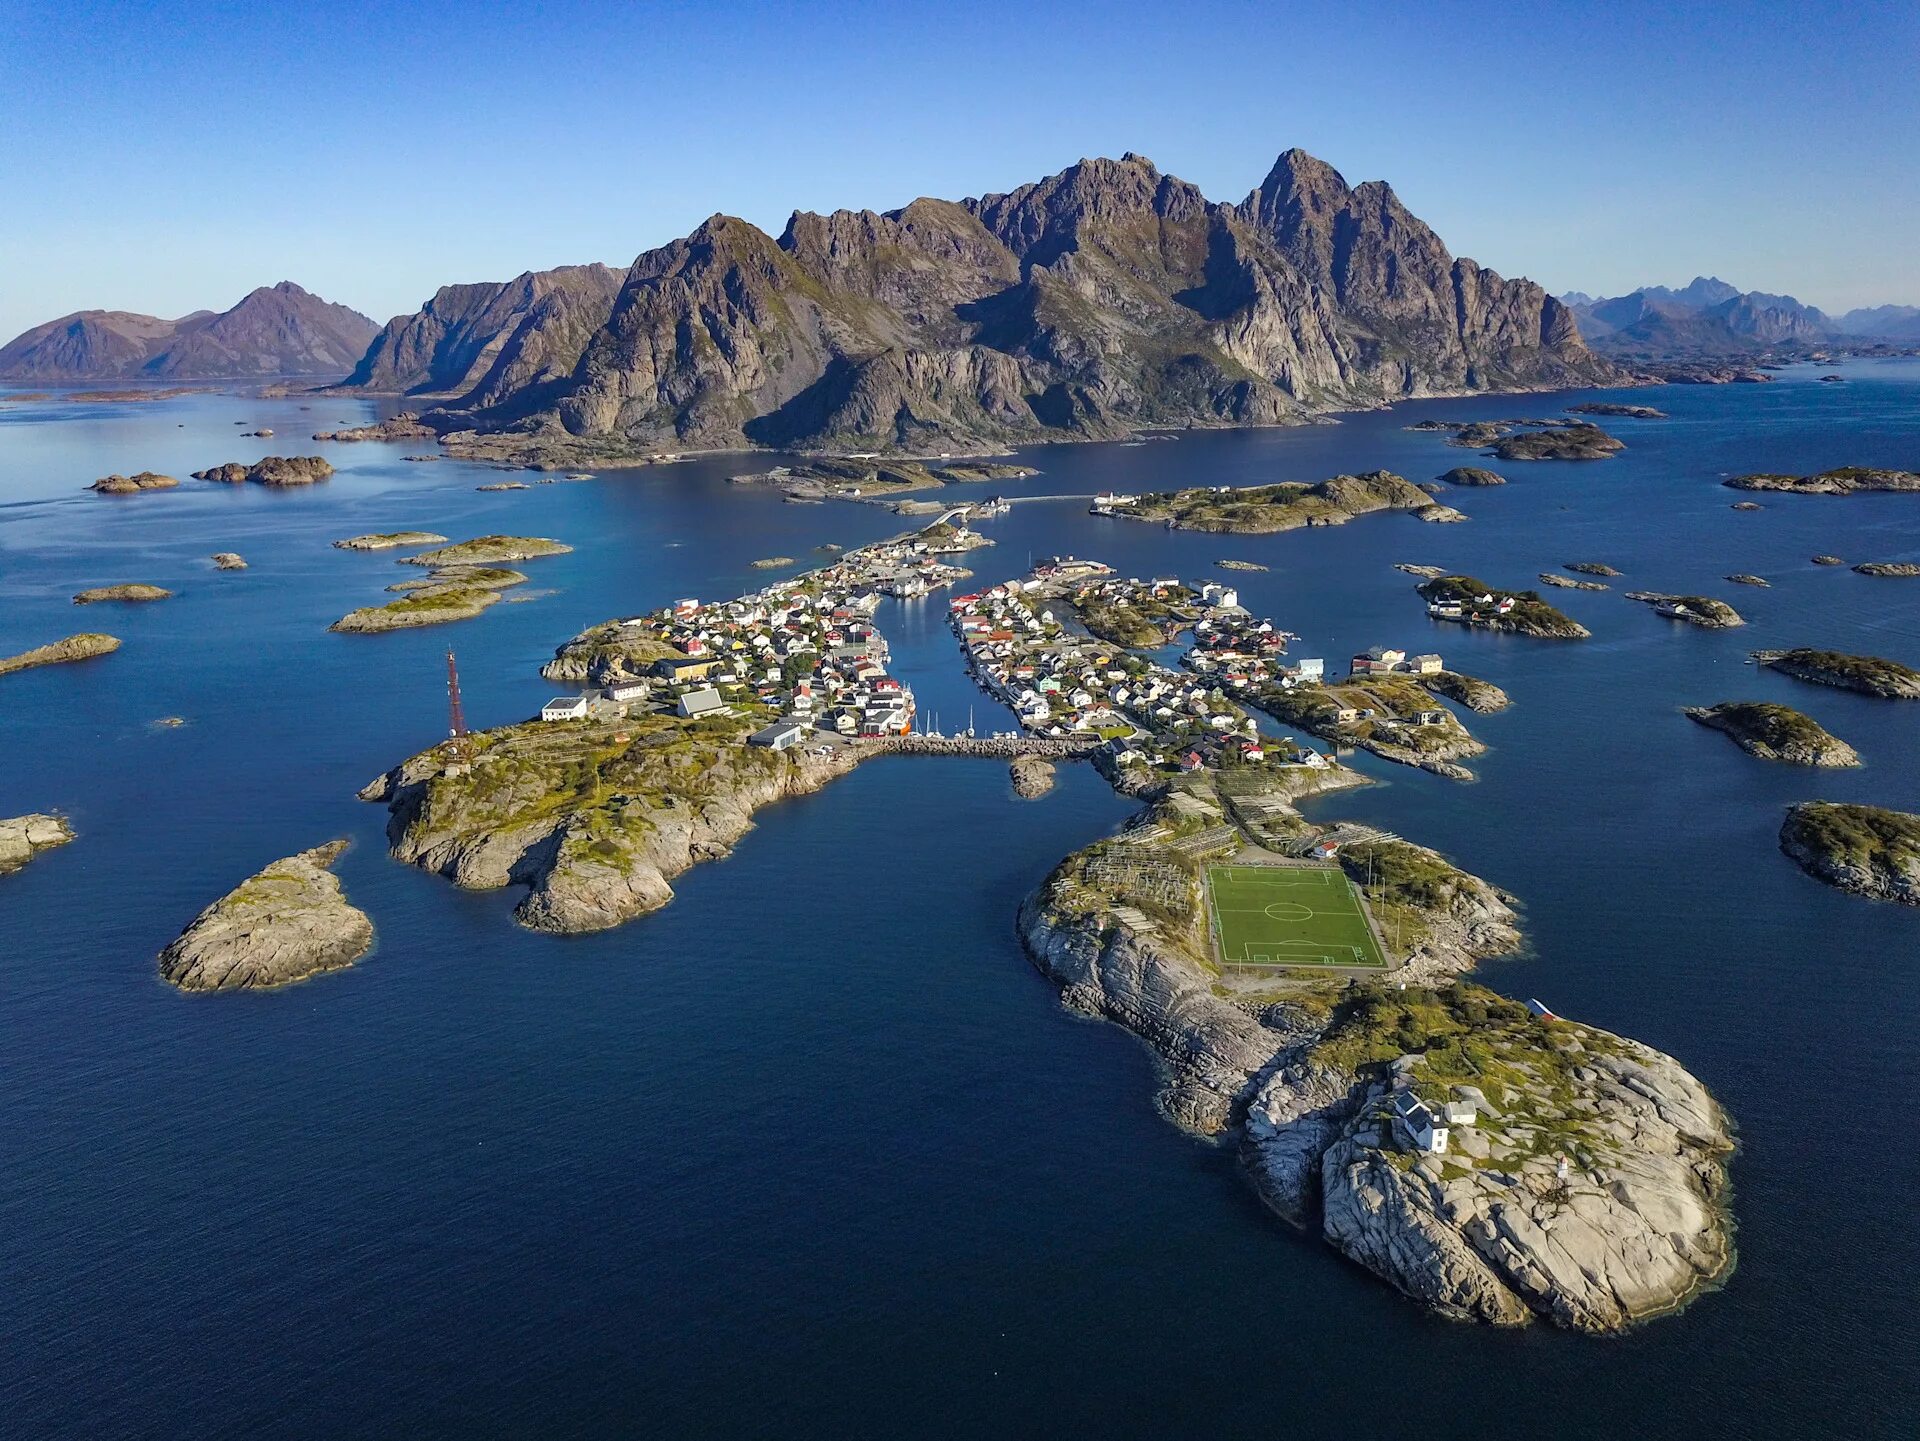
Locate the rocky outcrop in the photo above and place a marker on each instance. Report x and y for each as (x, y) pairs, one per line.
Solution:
(434, 605)
(1866, 850)
(1775, 733)
(277, 330)
(404, 426)
(390, 540)
(129, 592)
(85, 646)
(1573, 442)
(1845, 480)
(1266, 509)
(1888, 568)
(1104, 298)
(1701, 610)
(1492, 1230)
(1867, 674)
(659, 797)
(1567, 582)
(228, 560)
(284, 924)
(1471, 475)
(275, 470)
(489, 550)
(1032, 777)
(1483, 697)
(133, 484)
(24, 837)
(1590, 567)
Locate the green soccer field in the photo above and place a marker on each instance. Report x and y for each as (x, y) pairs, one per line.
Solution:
(1289, 916)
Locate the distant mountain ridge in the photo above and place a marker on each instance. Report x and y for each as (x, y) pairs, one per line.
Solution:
(1885, 322)
(275, 330)
(1705, 317)
(1104, 298)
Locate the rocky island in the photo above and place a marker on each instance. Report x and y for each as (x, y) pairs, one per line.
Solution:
(1743, 578)
(1389, 715)
(1862, 849)
(24, 837)
(1587, 1183)
(130, 592)
(274, 470)
(1566, 582)
(1265, 509)
(133, 484)
(390, 540)
(1700, 610)
(1842, 480)
(1471, 475)
(1867, 674)
(1465, 600)
(489, 550)
(84, 646)
(1775, 733)
(1630, 412)
(228, 560)
(1591, 567)
(283, 924)
(1529, 439)
(825, 476)
(1888, 568)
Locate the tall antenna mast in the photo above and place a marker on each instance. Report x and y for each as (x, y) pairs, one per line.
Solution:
(456, 718)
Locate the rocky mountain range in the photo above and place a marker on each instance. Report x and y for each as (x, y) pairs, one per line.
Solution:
(1104, 298)
(1707, 317)
(278, 330)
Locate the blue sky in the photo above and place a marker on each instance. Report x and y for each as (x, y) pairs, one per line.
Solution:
(163, 157)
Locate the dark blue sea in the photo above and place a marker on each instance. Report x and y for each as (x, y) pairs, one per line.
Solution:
(814, 1152)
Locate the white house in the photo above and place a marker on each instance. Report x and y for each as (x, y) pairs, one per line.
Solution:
(703, 702)
(1411, 1113)
(625, 690)
(564, 707)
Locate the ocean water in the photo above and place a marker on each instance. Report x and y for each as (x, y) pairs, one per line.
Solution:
(813, 1151)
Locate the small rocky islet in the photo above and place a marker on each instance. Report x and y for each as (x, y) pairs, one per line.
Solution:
(1469, 601)
(131, 592)
(1699, 610)
(1471, 475)
(275, 470)
(1867, 674)
(85, 646)
(289, 921)
(1842, 480)
(465, 579)
(228, 560)
(1775, 733)
(24, 837)
(1268, 509)
(1530, 439)
(1864, 850)
(1888, 569)
(145, 480)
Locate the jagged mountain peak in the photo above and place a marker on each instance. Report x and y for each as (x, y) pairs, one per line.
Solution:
(1104, 297)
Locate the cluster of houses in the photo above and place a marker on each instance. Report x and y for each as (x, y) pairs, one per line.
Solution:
(1483, 609)
(1061, 682)
(805, 649)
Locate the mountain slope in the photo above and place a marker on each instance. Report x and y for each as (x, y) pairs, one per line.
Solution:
(1104, 298)
(276, 330)
(482, 343)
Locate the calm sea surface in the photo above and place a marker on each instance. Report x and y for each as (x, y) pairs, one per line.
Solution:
(813, 1151)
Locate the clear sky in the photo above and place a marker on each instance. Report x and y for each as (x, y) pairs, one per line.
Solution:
(164, 157)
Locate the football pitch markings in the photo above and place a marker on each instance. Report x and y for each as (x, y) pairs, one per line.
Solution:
(1289, 916)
